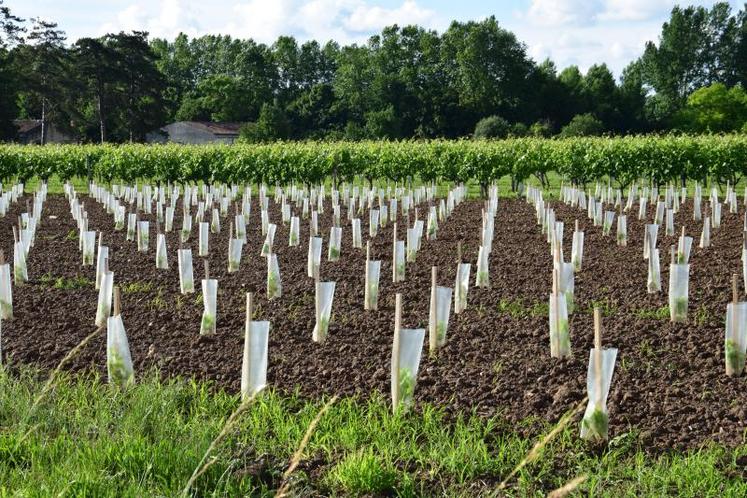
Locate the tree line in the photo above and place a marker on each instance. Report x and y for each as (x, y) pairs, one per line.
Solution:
(474, 79)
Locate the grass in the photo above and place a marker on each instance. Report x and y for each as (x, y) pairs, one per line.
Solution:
(65, 283)
(517, 309)
(136, 287)
(88, 439)
(653, 313)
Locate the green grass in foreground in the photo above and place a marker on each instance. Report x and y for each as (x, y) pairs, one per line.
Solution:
(87, 439)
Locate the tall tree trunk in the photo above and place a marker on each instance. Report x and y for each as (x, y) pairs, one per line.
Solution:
(130, 111)
(44, 122)
(102, 125)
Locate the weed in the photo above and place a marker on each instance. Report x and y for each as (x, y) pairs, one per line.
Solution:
(136, 287)
(653, 313)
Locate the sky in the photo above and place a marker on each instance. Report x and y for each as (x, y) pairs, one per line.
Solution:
(580, 32)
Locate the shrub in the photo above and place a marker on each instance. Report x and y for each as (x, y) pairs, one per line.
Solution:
(582, 125)
(492, 127)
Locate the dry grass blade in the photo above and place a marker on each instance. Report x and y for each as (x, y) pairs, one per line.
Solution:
(284, 484)
(227, 427)
(568, 487)
(535, 451)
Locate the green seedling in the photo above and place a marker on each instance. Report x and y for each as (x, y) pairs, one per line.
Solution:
(208, 324)
(373, 294)
(185, 235)
(406, 385)
(18, 272)
(680, 309)
(119, 375)
(272, 286)
(6, 310)
(334, 253)
(596, 425)
(441, 331)
(323, 326)
(734, 357)
(400, 271)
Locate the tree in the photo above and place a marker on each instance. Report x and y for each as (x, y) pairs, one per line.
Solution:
(95, 68)
(10, 34)
(714, 108)
(582, 125)
(139, 86)
(492, 127)
(632, 100)
(696, 47)
(218, 98)
(601, 95)
(42, 69)
(272, 123)
(488, 68)
(573, 96)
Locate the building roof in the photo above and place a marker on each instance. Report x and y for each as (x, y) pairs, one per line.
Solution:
(216, 128)
(26, 125)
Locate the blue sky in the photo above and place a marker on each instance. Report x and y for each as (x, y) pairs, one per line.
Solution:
(581, 32)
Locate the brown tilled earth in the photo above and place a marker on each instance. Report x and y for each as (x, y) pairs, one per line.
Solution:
(669, 384)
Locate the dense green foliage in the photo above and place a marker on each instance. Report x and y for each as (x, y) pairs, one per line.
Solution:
(580, 160)
(583, 125)
(492, 127)
(714, 108)
(406, 82)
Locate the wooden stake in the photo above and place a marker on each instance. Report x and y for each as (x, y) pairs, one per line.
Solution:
(15, 234)
(433, 322)
(2, 257)
(395, 351)
(249, 309)
(207, 270)
(577, 225)
(366, 295)
(598, 356)
(394, 251)
(556, 299)
(318, 310)
(735, 288)
(459, 252)
(673, 252)
(117, 301)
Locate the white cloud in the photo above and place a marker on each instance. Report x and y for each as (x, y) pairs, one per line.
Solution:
(635, 10)
(372, 18)
(345, 21)
(172, 18)
(563, 12)
(260, 20)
